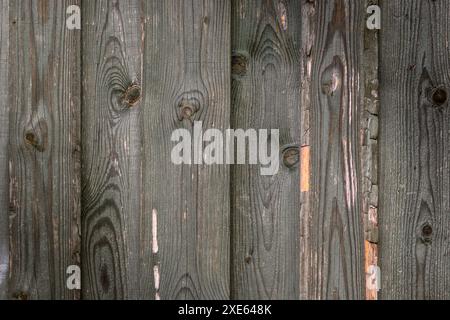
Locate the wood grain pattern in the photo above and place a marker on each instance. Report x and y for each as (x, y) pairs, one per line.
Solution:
(4, 134)
(415, 151)
(266, 95)
(355, 181)
(332, 228)
(44, 99)
(115, 228)
(187, 78)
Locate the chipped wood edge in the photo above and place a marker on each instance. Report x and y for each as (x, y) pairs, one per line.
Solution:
(308, 16)
(369, 156)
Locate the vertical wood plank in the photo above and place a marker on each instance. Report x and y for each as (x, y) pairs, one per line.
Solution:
(187, 79)
(332, 224)
(415, 150)
(4, 167)
(369, 131)
(115, 227)
(44, 97)
(266, 95)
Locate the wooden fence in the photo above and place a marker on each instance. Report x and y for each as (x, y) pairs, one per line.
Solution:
(86, 177)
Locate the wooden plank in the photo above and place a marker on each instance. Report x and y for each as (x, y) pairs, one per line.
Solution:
(415, 150)
(332, 245)
(114, 224)
(266, 95)
(44, 99)
(4, 167)
(187, 78)
(369, 146)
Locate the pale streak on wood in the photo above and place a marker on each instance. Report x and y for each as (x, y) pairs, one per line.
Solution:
(305, 175)
(283, 15)
(155, 248)
(187, 52)
(371, 260)
(157, 279)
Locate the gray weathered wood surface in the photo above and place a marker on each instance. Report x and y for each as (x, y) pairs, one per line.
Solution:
(113, 221)
(152, 229)
(86, 119)
(266, 95)
(4, 134)
(44, 102)
(187, 79)
(415, 151)
(332, 253)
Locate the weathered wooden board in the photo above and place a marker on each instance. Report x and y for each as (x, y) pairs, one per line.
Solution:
(266, 95)
(114, 223)
(146, 228)
(369, 159)
(44, 101)
(4, 134)
(187, 79)
(415, 150)
(332, 243)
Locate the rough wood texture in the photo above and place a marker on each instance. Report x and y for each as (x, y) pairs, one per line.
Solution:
(415, 151)
(187, 79)
(4, 167)
(369, 134)
(114, 223)
(308, 16)
(44, 99)
(332, 227)
(266, 95)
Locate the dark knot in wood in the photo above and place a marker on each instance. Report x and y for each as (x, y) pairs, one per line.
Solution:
(439, 96)
(33, 141)
(132, 95)
(427, 232)
(188, 108)
(21, 296)
(239, 65)
(291, 157)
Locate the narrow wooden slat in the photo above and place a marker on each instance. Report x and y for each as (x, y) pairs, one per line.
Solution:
(187, 78)
(369, 154)
(4, 126)
(44, 99)
(266, 95)
(115, 226)
(332, 243)
(415, 150)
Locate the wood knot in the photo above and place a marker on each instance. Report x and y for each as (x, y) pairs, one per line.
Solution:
(439, 96)
(239, 65)
(248, 260)
(132, 95)
(32, 140)
(21, 296)
(427, 233)
(187, 109)
(291, 157)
